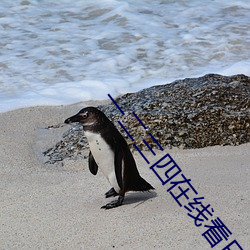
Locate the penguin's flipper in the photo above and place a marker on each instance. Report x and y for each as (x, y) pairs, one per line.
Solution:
(93, 167)
(111, 193)
(118, 166)
(113, 204)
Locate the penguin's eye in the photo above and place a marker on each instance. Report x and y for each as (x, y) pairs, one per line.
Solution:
(84, 115)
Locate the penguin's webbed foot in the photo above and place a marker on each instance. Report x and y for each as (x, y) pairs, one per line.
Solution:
(111, 193)
(113, 204)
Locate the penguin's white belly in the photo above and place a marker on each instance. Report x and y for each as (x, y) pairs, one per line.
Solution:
(104, 157)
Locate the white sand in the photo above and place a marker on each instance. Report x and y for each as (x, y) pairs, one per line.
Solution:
(58, 207)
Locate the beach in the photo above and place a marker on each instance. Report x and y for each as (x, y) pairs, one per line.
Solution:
(59, 57)
(57, 206)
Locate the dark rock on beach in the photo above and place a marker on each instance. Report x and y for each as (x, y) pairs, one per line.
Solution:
(190, 113)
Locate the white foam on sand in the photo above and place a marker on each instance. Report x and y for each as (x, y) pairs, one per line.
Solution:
(64, 52)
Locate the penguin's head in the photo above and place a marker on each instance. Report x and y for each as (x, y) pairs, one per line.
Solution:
(88, 117)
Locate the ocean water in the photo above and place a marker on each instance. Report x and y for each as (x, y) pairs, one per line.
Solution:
(61, 52)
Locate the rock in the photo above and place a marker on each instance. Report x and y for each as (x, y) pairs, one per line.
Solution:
(190, 113)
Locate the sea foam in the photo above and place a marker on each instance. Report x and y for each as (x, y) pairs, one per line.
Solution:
(55, 53)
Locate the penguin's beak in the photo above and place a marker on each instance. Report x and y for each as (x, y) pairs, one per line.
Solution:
(74, 118)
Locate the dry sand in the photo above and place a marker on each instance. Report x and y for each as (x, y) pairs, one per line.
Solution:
(58, 206)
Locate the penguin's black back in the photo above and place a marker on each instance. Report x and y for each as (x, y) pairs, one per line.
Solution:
(132, 180)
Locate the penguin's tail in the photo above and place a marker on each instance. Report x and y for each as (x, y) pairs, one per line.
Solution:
(141, 185)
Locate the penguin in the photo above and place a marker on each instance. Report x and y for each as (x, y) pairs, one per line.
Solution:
(110, 152)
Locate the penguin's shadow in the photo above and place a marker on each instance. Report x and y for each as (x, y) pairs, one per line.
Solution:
(138, 198)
